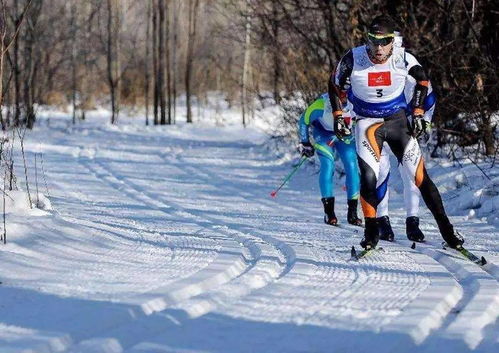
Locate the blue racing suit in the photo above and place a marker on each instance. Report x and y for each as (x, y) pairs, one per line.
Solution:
(319, 116)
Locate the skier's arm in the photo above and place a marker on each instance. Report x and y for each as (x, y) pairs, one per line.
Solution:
(429, 104)
(303, 130)
(422, 83)
(339, 83)
(314, 111)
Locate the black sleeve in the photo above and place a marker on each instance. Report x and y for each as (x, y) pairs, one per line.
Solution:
(421, 89)
(337, 91)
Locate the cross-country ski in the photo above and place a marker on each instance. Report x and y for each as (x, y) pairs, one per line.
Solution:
(468, 254)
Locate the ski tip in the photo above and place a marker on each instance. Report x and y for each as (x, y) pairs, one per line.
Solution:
(273, 194)
(484, 262)
(413, 246)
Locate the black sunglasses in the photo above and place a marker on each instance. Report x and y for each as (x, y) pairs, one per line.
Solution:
(375, 40)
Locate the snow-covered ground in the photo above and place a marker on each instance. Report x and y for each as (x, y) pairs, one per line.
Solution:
(165, 239)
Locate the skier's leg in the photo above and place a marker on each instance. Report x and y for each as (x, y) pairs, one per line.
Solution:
(348, 155)
(326, 157)
(326, 172)
(411, 199)
(384, 227)
(406, 149)
(382, 184)
(411, 193)
(369, 142)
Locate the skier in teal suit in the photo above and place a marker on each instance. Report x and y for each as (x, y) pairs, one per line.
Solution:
(319, 116)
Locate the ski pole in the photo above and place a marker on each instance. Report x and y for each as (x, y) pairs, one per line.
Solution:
(288, 177)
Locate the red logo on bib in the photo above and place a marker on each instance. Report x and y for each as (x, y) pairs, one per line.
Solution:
(379, 79)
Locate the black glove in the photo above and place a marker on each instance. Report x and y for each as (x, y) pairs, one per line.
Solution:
(419, 126)
(306, 149)
(341, 128)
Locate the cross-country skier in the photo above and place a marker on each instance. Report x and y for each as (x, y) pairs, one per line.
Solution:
(411, 192)
(318, 115)
(374, 76)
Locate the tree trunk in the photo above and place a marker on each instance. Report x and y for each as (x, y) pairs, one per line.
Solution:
(276, 55)
(117, 73)
(174, 57)
(3, 34)
(17, 71)
(167, 62)
(147, 74)
(155, 59)
(161, 64)
(247, 52)
(110, 59)
(193, 9)
(31, 62)
(112, 56)
(73, 56)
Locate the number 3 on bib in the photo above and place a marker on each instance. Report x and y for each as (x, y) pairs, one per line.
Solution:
(379, 92)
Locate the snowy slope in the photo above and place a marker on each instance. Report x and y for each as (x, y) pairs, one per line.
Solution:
(164, 239)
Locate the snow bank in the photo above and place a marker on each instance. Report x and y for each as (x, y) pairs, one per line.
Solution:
(17, 202)
(469, 189)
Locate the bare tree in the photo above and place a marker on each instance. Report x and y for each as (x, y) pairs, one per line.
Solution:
(192, 26)
(16, 67)
(74, 30)
(246, 64)
(157, 87)
(175, 13)
(167, 61)
(162, 61)
(276, 53)
(113, 56)
(31, 61)
(5, 44)
(147, 76)
(87, 61)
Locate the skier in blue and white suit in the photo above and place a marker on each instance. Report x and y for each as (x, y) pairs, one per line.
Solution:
(319, 116)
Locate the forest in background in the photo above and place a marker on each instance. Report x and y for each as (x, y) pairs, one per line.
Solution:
(147, 54)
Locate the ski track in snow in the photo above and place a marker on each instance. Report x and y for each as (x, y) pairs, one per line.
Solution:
(166, 240)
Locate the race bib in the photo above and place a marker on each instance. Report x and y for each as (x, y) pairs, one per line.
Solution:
(379, 79)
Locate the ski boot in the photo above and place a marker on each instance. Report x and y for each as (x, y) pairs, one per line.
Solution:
(412, 229)
(451, 236)
(385, 228)
(329, 217)
(454, 240)
(371, 235)
(352, 213)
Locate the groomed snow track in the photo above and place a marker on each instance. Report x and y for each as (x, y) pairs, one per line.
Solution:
(165, 240)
